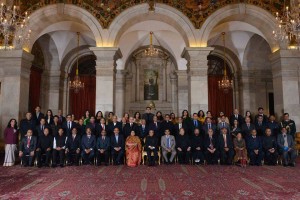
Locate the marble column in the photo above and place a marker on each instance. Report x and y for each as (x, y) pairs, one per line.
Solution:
(120, 93)
(183, 91)
(14, 76)
(105, 77)
(285, 68)
(247, 92)
(197, 77)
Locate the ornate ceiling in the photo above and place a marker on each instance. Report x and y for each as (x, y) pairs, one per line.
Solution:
(106, 10)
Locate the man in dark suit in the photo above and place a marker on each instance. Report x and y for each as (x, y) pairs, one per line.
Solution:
(143, 129)
(155, 126)
(286, 145)
(236, 116)
(68, 125)
(254, 147)
(269, 144)
(38, 115)
(27, 148)
(210, 148)
(26, 124)
(273, 125)
(117, 147)
(59, 146)
(88, 145)
(183, 147)
(197, 147)
(103, 146)
(55, 126)
(131, 126)
(73, 146)
(112, 125)
(247, 128)
(225, 147)
(223, 124)
(151, 146)
(260, 126)
(95, 127)
(61, 118)
(261, 113)
(180, 125)
(80, 128)
(39, 131)
(44, 146)
(209, 125)
(167, 125)
(195, 124)
(148, 116)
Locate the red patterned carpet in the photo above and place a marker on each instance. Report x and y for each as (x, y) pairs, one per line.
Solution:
(162, 182)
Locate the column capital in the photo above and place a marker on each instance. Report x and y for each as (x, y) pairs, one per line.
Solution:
(107, 52)
(196, 53)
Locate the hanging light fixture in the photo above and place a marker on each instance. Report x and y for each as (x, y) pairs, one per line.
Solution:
(287, 29)
(14, 29)
(76, 84)
(151, 6)
(151, 51)
(225, 84)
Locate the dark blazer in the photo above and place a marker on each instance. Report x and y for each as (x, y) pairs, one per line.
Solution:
(54, 129)
(197, 141)
(68, 131)
(205, 128)
(87, 143)
(99, 129)
(274, 126)
(247, 131)
(220, 126)
(221, 143)
(207, 142)
(156, 129)
(143, 132)
(25, 125)
(265, 118)
(128, 129)
(96, 128)
(193, 127)
(120, 143)
(166, 125)
(269, 143)
(254, 143)
(111, 127)
(51, 120)
(183, 142)
(45, 142)
(148, 117)
(151, 141)
(280, 141)
(240, 119)
(184, 126)
(39, 131)
(103, 144)
(38, 118)
(32, 146)
(260, 128)
(73, 144)
(80, 130)
(61, 119)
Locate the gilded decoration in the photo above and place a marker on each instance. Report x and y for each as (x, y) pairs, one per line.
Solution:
(196, 10)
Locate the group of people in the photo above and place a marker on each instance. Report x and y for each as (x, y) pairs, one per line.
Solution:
(187, 139)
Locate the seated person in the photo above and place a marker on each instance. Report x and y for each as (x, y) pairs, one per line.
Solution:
(285, 144)
(103, 145)
(73, 146)
(133, 149)
(168, 146)
(240, 150)
(225, 147)
(151, 146)
(210, 148)
(183, 147)
(88, 144)
(27, 148)
(45, 145)
(59, 146)
(270, 148)
(197, 147)
(117, 145)
(254, 147)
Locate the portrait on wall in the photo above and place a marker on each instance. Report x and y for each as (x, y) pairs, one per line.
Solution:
(150, 84)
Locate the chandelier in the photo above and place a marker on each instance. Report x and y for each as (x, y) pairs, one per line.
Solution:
(151, 51)
(14, 29)
(76, 84)
(225, 84)
(287, 29)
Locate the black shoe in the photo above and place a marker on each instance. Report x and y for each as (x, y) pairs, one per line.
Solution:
(39, 166)
(53, 165)
(292, 164)
(285, 165)
(106, 164)
(61, 165)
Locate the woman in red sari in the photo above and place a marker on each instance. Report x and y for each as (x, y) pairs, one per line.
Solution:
(133, 150)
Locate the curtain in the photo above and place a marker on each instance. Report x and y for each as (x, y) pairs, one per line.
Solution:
(218, 100)
(85, 99)
(34, 87)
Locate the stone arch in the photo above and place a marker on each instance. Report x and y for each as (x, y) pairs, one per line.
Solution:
(49, 15)
(253, 15)
(162, 13)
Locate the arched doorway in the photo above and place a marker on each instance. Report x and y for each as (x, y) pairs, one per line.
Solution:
(218, 101)
(85, 99)
(36, 77)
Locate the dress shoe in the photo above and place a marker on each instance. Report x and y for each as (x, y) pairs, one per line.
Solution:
(61, 165)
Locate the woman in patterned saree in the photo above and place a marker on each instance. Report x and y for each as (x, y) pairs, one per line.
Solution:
(133, 150)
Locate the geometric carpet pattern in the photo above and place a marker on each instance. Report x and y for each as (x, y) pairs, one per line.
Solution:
(143, 182)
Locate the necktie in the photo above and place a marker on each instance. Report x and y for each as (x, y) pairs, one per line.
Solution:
(156, 124)
(168, 142)
(223, 125)
(208, 126)
(73, 137)
(69, 125)
(102, 127)
(28, 142)
(236, 116)
(42, 128)
(225, 141)
(285, 141)
(195, 122)
(103, 138)
(248, 125)
(210, 143)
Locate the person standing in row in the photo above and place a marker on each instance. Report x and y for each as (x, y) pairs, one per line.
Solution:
(10, 138)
